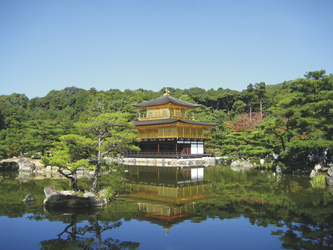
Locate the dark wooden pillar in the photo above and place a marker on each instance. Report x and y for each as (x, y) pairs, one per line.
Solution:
(177, 174)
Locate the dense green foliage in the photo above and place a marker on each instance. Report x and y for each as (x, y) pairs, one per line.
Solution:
(291, 119)
(106, 133)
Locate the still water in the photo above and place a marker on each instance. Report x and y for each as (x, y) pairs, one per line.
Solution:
(173, 208)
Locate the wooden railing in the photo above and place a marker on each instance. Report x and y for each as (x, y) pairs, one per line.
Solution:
(144, 117)
(173, 135)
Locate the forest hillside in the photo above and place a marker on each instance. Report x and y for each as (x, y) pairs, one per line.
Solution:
(293, 119)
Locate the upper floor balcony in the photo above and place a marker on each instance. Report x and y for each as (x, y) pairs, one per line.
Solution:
(163, 135)
(165, 115)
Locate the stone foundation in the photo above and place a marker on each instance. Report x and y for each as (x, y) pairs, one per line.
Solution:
(164, 162)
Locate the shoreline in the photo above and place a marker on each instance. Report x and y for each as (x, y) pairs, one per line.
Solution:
(37, 162)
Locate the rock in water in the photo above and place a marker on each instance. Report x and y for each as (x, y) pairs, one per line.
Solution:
(318, 167)
(330, 171)
(239, 165)
(329, 180)
(48, 191)
(278, 169)
(26, 165)
(88, 194)
(313, 173)
(9, 166)
(246, 165)
(62, 200)
(29, 198)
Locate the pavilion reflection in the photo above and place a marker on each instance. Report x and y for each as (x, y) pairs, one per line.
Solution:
(165, 195)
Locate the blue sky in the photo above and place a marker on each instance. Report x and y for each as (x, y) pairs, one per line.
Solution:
(131, 44)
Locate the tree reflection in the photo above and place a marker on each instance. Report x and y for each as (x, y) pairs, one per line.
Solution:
(88, 236)
(73, 239)
(309, 227)
(303, 215)
(288, 206)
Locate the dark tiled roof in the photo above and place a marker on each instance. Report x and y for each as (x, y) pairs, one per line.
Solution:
(154, 122)
(199, 123)
(168, 121)
(165, 99)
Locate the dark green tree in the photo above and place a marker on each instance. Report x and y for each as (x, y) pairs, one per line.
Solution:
(15, 137)
(277, 128)
(111, 133)
(71, 153)
(197, 94)
(309, 113)
(249, 95)
(41, 134)
(260, 89)
(226, 99)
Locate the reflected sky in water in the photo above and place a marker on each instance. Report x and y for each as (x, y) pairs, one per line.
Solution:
(237, 233)
(176, 208)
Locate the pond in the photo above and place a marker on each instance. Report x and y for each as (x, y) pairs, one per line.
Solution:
(174, 208)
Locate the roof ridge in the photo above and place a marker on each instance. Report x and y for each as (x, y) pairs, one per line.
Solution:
(165, 99)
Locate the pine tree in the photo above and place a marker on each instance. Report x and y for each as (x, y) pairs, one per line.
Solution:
(111, 134)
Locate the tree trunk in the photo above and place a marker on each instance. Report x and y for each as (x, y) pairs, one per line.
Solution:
(98, 167)
(74, 181)
(251, 113)
(282, 141)
(239, 155)
(94, 184)
(72, 178)
(74, 228)
(261, 108)
(98, 231)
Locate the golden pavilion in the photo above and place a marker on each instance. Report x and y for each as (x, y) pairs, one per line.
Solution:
(165, 195)
(167, 130)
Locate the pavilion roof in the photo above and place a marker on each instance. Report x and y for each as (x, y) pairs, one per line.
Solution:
(168, 121)
(164, 100)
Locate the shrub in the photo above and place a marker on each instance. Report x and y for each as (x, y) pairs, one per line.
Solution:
(319, 181)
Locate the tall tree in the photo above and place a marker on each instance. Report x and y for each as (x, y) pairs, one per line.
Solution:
(316, 75)
(310, 113)
(260, 88)
(227, 97)
(249, 95)
(238, 107)
(111, 133)
(71, 153)
(197, 94)
(234, 143)
(40, 135)
(244, 139)
(15, 137)
(277, 127)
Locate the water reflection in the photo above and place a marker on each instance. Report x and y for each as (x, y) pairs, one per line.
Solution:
(164, 194)
(87, 235)
(302, 215)
(289, 212)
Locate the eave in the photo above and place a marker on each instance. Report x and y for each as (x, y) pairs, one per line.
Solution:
(171, 121)
(163, 100)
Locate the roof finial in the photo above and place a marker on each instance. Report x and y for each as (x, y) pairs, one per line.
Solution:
(166, 92)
